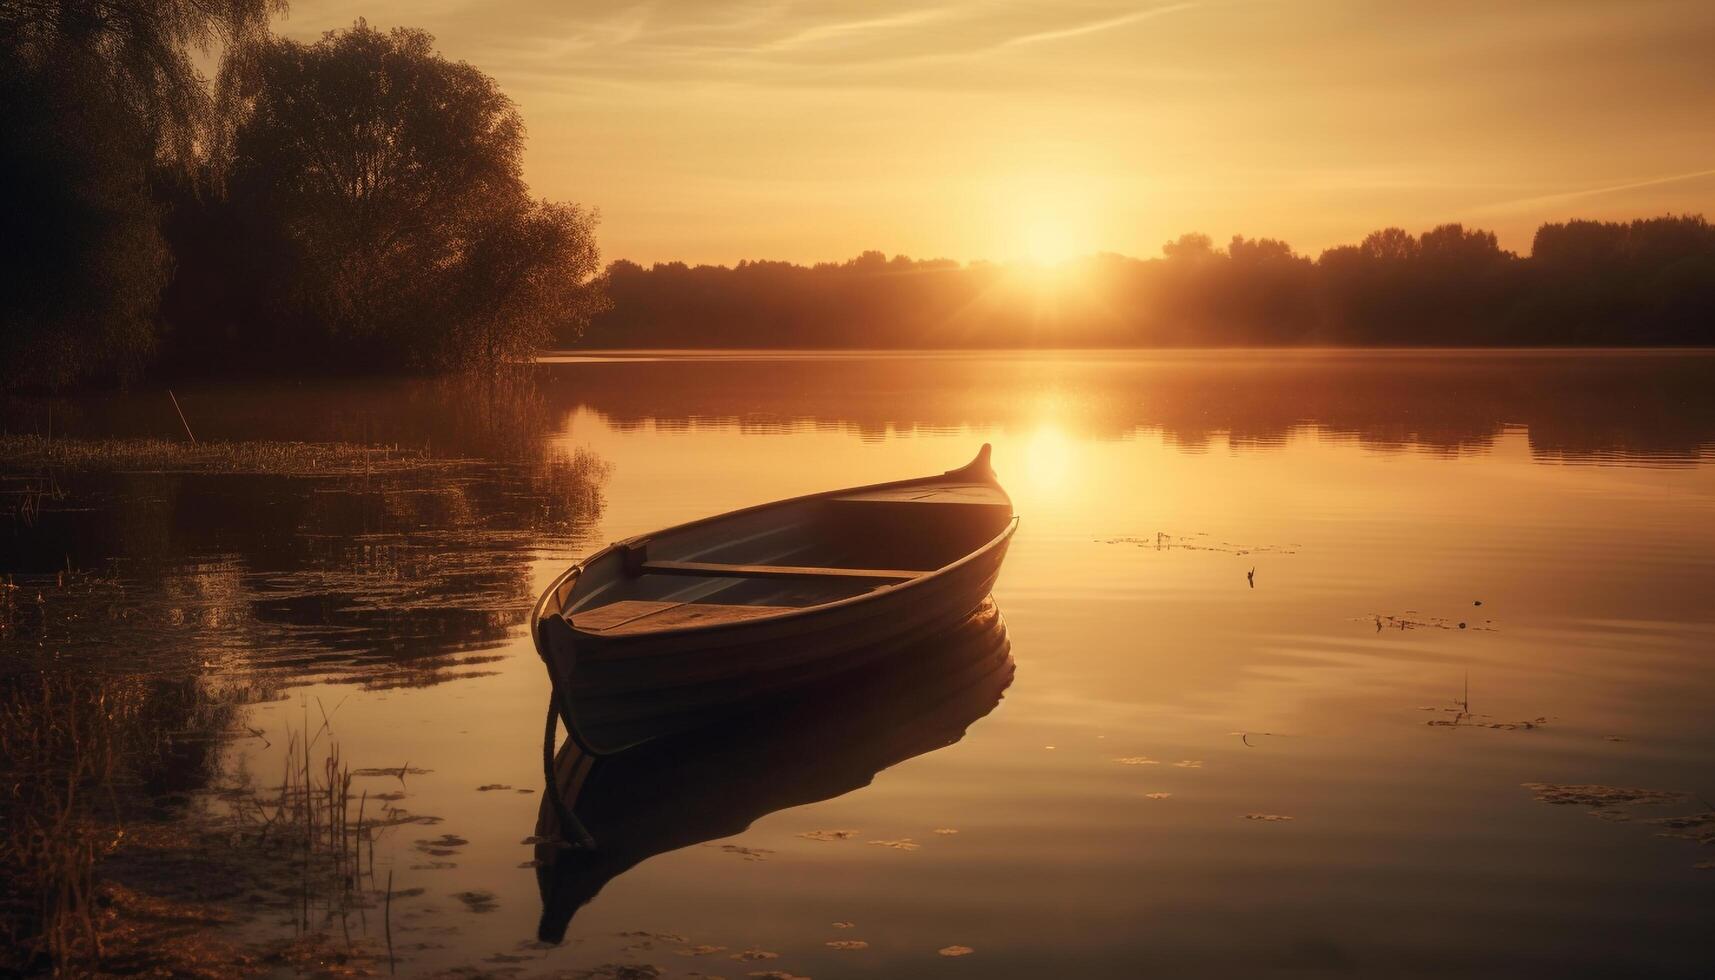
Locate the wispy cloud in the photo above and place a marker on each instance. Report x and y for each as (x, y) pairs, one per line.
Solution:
(1094, 26)
(825, 33)
(1567, 197)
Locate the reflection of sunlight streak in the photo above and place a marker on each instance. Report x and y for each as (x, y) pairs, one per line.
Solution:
(1048, 460)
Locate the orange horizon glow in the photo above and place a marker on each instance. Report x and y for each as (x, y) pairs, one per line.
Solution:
(1038, 133)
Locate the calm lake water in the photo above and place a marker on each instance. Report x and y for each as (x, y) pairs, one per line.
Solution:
(1193, 771)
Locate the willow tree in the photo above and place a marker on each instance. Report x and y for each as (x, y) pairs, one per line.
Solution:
(98, 100)
(385, 186)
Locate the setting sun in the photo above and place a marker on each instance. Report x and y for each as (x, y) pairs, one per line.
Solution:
(1045, 219)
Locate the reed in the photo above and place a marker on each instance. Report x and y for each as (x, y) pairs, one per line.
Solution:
(64, 740)
(75, 748)
(30, 451)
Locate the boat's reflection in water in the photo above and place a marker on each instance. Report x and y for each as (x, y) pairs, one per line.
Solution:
(816, 745)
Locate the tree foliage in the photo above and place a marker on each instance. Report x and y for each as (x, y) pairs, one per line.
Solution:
(97, 98)
(1646, 282)
(378, 191)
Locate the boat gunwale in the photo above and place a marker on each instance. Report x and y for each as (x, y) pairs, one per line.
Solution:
(538, 613)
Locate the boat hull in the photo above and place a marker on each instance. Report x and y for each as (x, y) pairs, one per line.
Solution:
(669, 631)
(621, 692)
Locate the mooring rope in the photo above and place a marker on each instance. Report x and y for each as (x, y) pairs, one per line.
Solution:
(570, 825)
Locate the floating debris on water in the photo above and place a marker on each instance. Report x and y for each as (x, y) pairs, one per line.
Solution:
(1162, 541)
(775, 975)
(1267, 817)
(946, 831)
(846, 944)
(955, 951)
(1593, 795)
(491, 787)
(1615, 738)
(619, 971)
(828, 835)
(1245, 737)
(478, 901)
(445, 845)
(902, 844)
(1189, 764)
(1157, 796)
(844, 925)
(1408, 621)
(1699, 827)
(398, 773)
(702, 949)
(752, 954)
(644, 940)
(1463, 720)
(1137, 760)
(1606, 801)
(748, 853)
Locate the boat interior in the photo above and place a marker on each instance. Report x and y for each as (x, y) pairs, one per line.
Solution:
(787, 556)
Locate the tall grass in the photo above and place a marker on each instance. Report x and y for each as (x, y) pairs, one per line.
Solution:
(64, 742)
(75, 751)
(24, 451)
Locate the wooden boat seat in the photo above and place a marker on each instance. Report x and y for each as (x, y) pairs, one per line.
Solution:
(641, 616)
(724, 570)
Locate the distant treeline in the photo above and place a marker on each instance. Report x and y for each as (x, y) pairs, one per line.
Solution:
(352, 204)
(1649, 282)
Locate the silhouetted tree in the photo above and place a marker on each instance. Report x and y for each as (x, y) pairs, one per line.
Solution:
(377, 191)
(97, 101)
(1647, 282)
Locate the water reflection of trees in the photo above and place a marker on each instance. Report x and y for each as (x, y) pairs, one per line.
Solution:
(1655, 407)
(398, 576)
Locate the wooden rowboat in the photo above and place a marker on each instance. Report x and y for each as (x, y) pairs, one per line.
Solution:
(660, 633)
(823, 742)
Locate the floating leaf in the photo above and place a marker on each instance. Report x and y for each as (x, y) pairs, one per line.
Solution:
(828, 835)
(702, 950)
(955, 951)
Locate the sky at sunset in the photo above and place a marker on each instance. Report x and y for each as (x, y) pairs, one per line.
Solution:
(997, 129)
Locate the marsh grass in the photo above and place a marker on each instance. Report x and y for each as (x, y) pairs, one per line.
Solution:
(63, 744)
(26, 451)
(76, 750)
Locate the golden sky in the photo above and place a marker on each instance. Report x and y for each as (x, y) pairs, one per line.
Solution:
(997, 129)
